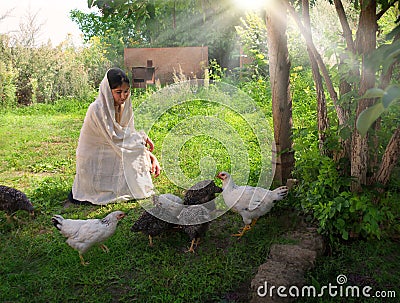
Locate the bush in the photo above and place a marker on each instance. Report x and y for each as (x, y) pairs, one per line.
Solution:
(7, 85)
(45, 74)
(324, 195)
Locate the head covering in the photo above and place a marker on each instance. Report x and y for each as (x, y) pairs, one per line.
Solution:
(112, 162)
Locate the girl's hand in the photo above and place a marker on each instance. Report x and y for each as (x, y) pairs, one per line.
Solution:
(155, 166)
(149, 144)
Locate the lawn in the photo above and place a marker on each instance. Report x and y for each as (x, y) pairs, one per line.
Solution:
(36, 265)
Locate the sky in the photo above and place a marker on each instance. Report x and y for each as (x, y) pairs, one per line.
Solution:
(52, 14)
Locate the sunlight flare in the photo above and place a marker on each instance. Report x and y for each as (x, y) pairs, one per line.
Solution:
(250, 4)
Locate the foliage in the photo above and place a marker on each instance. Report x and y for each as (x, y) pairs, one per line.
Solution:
(253, 38)
(45, 73)
(371, 114)
(177, 23)
(324, 195)
(8, 88)
(96, 61)
(384, 57)
(216, 71)
(373, 263)
(113, 34)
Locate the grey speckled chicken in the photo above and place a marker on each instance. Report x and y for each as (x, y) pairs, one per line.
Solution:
(160, 218)
(12, 200)
(195, 220)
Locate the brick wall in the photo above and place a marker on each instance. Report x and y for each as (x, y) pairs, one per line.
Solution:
(192, 61)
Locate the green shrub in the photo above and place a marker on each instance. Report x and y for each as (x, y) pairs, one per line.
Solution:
(253, 37)
(8, 76)
(324, 195)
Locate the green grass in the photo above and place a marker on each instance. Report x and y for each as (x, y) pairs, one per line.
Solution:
(365, 263)
(37, 153)
(36, 265)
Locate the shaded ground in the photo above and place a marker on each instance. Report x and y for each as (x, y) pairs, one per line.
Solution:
(305, 261)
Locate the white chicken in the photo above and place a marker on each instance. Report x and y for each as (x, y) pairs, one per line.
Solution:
(83, 234)
(250, 202)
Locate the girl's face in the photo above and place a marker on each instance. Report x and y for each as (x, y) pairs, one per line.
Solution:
(121, 93)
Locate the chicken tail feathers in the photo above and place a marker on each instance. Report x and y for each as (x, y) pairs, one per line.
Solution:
(57, 221)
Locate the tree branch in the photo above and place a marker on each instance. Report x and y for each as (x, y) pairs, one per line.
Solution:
(307, 36)
(345, 25)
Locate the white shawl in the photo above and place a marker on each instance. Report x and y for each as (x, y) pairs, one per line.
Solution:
(112, 163)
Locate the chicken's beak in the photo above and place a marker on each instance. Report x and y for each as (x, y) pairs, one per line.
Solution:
(119, 217)
(219, 176)
(32, 214)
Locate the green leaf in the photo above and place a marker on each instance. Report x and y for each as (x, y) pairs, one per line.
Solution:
(373, 93)
(368, 116)
(391, 94)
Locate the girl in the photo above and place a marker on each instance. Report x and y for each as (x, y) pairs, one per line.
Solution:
(114, 162)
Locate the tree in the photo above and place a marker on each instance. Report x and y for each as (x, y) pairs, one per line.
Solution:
(322, 114)
(279, 69)
(114, 34)
(160, 23)
(362, 46)
(29, 30)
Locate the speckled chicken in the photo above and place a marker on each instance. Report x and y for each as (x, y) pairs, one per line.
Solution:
(195, 218)
(83, 234)
(202, 192)
(160, 218)
(250, 202)
(12, 200)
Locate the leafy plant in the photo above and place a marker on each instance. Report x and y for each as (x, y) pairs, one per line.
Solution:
(253, 38)
(386, 97)
(324, 195)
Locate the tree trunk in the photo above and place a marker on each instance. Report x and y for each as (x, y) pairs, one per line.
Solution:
(345, 143)
(389, 159)
(365, 44)
(392, 152)
(322, 114)
(279, 68)
(344, 86)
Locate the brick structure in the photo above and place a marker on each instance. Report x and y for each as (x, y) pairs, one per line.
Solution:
(161, 63)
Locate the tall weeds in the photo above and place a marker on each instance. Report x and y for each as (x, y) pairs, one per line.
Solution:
(44, 74)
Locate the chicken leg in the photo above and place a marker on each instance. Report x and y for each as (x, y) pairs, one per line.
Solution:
(151, 241)
(245, 228)
(191, 249)
(104, 248)
(195, 242)
(83, 261)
